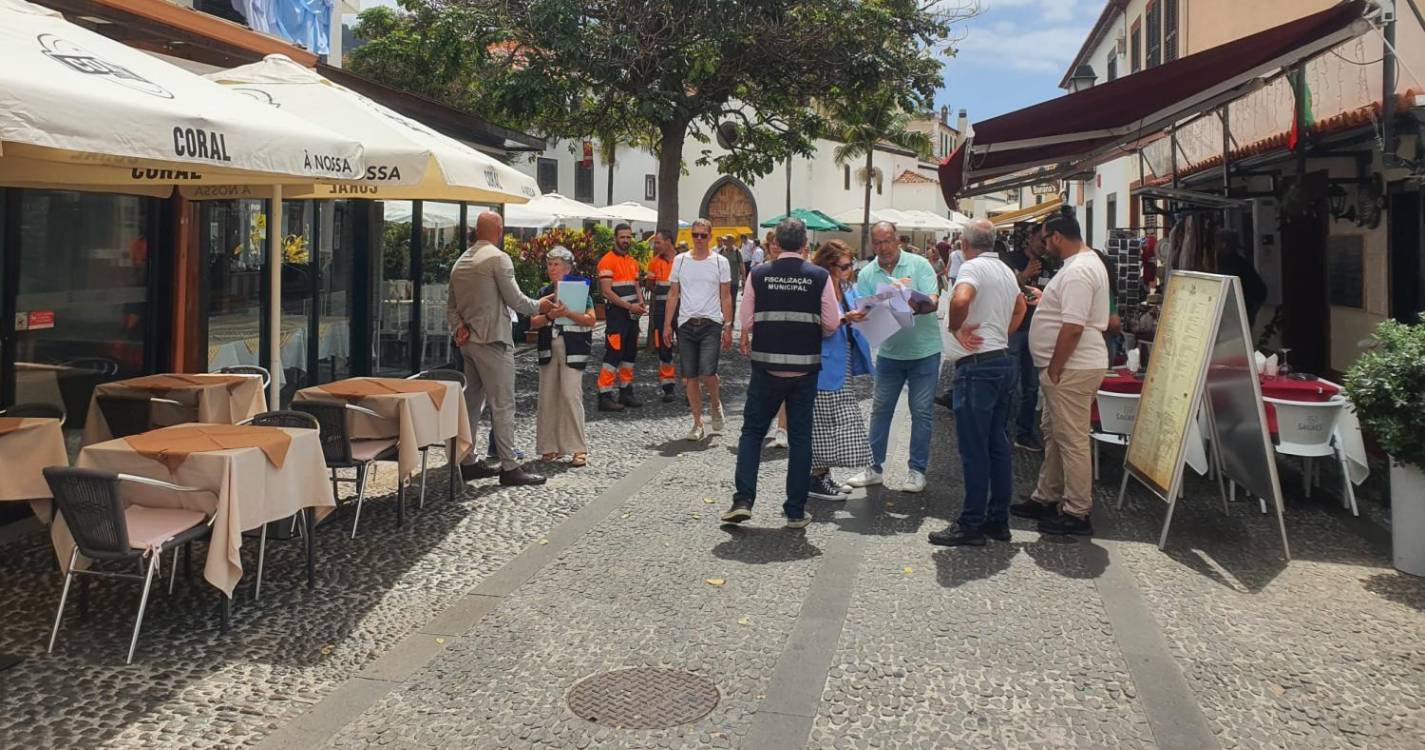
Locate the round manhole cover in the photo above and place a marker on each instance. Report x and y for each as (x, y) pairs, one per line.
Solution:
(643, 698)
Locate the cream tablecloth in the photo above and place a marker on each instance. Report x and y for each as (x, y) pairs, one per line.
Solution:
(412, 418)
(214, 404)
(24, 453)
(244, 491)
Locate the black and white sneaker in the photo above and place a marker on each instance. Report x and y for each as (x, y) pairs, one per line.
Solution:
(739, 512)
(822, 488)
(1029, 443)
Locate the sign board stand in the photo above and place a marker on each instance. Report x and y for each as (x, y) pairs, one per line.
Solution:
(1203, 359)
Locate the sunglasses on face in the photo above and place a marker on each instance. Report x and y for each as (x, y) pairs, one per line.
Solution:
(701, 235)
(843, 266)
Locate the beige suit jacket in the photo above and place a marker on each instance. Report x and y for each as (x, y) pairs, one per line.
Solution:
(482, 285)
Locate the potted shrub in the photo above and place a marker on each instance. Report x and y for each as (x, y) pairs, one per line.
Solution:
(1387, 388)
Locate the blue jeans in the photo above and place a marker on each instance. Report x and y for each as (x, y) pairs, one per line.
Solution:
(982, 395)
(765, 395)
(1026, 425)
(920, 375)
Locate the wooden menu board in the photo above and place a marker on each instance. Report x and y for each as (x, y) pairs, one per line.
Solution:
(1202, 363)
(1181, 348)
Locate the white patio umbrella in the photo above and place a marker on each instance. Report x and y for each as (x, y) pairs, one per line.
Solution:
(550, 209)
(857, 215)
(404, 158)
(634, 212)
(80, 109)
(927, 221)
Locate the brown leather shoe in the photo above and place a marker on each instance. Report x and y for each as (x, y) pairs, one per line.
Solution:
(519, 478)
(478, 470)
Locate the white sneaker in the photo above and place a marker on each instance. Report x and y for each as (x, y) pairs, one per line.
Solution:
(717, 422)
(695, 434)
(915, 482)
(866, 478)
(779, 439)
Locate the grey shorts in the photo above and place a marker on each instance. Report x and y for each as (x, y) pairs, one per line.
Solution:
(698, 347)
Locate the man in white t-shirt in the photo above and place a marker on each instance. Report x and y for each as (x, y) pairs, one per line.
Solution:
(700, 293)
(1066, 342)
(985, 306)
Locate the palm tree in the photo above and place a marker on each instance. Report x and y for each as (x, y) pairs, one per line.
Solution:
(865, 123)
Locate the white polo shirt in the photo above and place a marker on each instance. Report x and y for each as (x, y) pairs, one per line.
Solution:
(1078, 294)
(993, 306)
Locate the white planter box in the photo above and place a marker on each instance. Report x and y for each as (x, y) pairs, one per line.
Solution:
(1407, 518)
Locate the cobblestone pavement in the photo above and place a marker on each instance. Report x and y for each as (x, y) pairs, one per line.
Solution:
(854, 633)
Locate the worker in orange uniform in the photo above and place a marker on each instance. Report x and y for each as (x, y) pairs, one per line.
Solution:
(618, 282)
(660, 267)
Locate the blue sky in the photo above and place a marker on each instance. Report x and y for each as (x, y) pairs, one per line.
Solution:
(1014, 53)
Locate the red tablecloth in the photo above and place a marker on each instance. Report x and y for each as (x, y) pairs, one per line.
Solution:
(1276, 386)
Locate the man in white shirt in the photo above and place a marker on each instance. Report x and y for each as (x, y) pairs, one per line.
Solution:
(1066, 342)
(700, 294)
(985, 306)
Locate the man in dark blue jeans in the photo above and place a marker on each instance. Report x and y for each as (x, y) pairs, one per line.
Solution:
(788, 307)
(984, 307)
(1033, 268)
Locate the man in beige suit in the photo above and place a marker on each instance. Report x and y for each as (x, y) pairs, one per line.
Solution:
(482, 287)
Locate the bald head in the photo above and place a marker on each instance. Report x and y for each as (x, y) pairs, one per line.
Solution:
(489, 227)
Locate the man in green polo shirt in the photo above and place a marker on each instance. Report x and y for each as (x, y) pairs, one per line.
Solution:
(909, 359)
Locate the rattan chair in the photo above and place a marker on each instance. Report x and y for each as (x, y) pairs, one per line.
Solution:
(452, 463)
(299, 420)
(36, 410)
(342, 451)
(105, 529)
(129, 415)
(249, 370)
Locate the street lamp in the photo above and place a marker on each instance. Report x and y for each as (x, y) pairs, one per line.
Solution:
(1082, 79)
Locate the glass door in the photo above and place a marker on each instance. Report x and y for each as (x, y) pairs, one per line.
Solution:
(81, 265)
(233, 240)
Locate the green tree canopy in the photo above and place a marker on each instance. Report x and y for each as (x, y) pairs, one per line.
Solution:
(758, 72)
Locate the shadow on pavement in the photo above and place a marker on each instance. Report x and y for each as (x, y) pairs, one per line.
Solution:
(1399, 588)
(761, 545)
(960, 565)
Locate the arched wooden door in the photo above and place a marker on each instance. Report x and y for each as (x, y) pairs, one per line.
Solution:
(729, 204)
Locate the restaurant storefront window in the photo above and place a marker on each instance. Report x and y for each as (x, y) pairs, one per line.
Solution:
(395, 291)
(317, 276)
(79, 268)
(441, 247)
(234, 244)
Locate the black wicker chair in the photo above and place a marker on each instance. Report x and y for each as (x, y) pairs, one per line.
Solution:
(36, 410)
(249, 370)
(102, 366)
(342, 451)
(105, 529)
(451, 461)
(129, 415)
(300, 420)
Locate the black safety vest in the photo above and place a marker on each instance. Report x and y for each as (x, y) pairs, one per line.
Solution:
(786, 320)
(578, 340)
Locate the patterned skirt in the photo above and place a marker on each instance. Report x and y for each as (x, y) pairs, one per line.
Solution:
(838, 433)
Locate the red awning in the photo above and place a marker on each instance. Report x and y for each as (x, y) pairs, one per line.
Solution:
(1070, 132)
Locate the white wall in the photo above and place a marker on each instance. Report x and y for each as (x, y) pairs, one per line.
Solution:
(817, 182)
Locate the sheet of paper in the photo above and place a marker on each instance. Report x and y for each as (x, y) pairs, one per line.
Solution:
(880, 324)
(575, 296)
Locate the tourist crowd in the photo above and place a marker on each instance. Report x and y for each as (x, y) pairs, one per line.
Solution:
(1027, 326)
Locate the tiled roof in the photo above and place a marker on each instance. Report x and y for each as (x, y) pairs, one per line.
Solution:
(1339, 123)
(911, 177)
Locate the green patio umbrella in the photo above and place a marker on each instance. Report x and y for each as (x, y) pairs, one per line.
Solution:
(815, 220)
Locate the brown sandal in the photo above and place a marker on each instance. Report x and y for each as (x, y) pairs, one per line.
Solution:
(549, 458)
(580, 459)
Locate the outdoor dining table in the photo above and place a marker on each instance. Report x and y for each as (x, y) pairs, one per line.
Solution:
(216, 398)
(27, 446)
(252, 476)
(417, 413)
(1286, 388)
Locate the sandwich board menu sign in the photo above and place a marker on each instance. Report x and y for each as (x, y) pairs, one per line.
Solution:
(1202, 361)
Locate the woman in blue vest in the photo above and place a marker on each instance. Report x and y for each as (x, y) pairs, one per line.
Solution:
(838, 436)
(565, 340)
